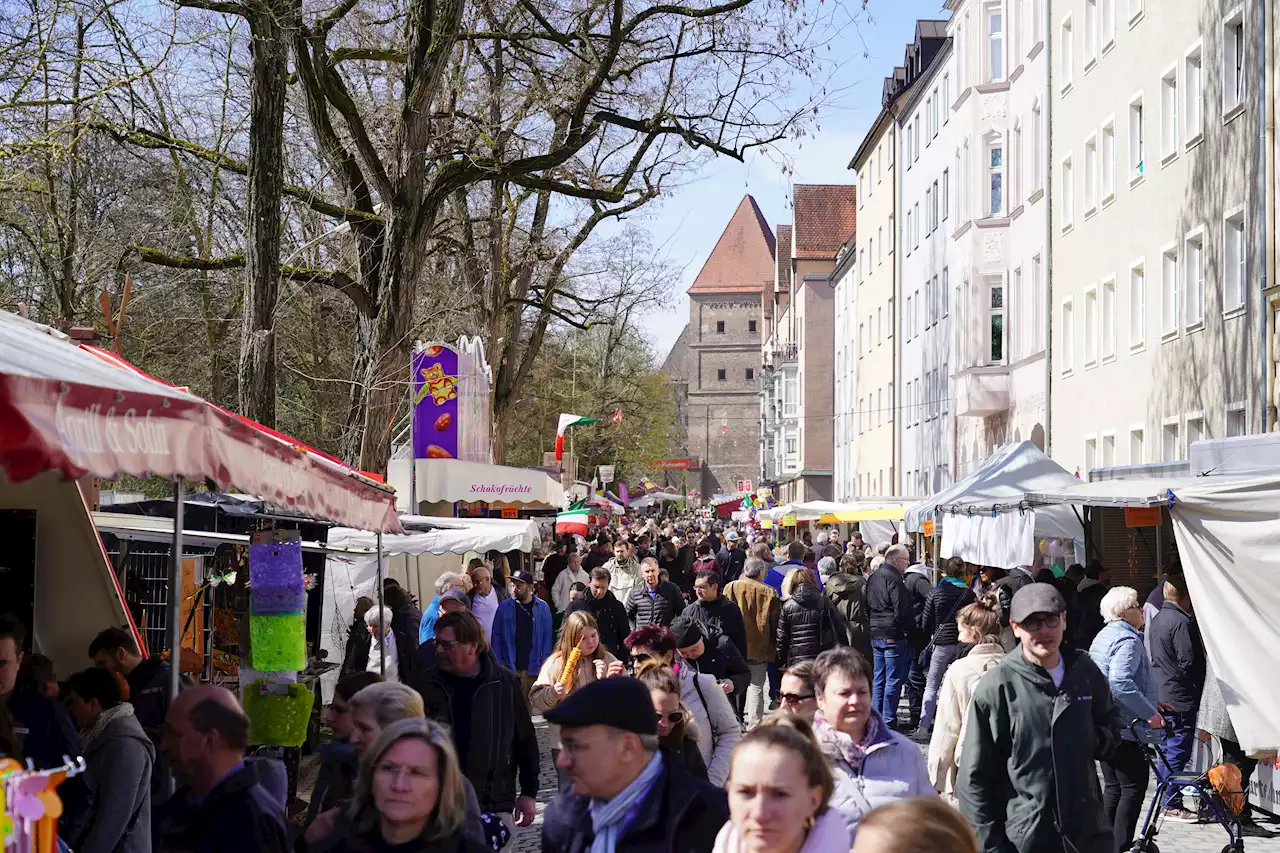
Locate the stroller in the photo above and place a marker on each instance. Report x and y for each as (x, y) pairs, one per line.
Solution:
(1223, 806)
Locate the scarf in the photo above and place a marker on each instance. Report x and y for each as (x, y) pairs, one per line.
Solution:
(608, 819)
(838, 744)
(124, 709)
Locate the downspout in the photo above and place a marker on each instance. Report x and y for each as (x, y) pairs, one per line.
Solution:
(1266, 222)
(894, 459)
(1047, 272)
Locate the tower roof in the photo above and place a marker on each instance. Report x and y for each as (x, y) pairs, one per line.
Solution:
(742, 260)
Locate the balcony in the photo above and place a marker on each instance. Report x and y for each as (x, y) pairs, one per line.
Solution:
(786, 353)
(982, 391)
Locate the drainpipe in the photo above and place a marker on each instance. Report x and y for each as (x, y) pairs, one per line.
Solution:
(898, 254)
(1047, 272)
(1266, 222)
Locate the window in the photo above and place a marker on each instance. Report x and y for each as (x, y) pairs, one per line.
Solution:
(1169, 437)
(1137, 142)
(1108, 326)
(751, 325)
(1108, 24)
(1233, 264)
(996, 324)
(1091, 327)
(1037, 164)
(1137, 306)
(720, 375)
(1090, 455)
(934, 221)
(1068, 196)
(1195, 429)
(1135, 10)
(890, 249)
(1233, 61)
(1037, 21)
(908, 234)
(1108, 162)
(1068, 336)
(906, 320)
(1090, 175)
(945, 204)
(1108, 450)
(946, 291)
(1039, 316)
(995, 178)
(1015, 164)
(1194, 299)
(1169, 291)
(1135, 446)
(1169, 114)
(995, 41)
(928, 204)
(751, 373)
(1235, 420)
(915, 238)
(719, 327)
(791, 446)
(1066, 55)
(915, 145)
(1193, 86)
(946, 98)
(1012, 333)
(1090, 33)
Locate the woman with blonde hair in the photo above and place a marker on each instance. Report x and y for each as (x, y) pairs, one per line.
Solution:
(780, 790)
(593, 662)
(809, 623)
(915, 825)
(677, 732)
(410, 795)
(979, 624)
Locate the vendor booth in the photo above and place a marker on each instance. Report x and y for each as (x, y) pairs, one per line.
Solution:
(430, 547)
(986, 520)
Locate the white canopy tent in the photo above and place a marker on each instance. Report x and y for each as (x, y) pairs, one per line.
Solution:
(1228, 534)
(986, 518)
(414, 559)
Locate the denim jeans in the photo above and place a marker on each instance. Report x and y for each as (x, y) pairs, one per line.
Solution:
(942, 657)
(757, 693)
(892, 661)
(775, 679)
(1178, 741)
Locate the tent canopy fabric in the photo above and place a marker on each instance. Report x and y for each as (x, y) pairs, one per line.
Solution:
(1002, 483)
(431, 535)
(1138, 492)
(80, 410)
(451, 480)
(846, 511)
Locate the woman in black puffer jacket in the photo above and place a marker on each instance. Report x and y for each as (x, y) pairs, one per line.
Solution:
(938, 623)
(809, 623)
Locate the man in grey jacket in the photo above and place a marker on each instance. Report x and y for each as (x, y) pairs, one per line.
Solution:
(119, 756)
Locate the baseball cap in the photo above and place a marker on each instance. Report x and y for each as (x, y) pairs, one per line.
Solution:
(522, 576)
(622, 703)
(1036, 598)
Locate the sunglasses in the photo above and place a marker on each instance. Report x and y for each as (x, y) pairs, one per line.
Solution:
(641, 657)
(795, 698)
(673, 718)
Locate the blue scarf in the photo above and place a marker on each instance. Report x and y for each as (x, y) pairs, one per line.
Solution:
(608, 819)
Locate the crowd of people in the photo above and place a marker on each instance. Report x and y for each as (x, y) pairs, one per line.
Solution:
(705, 690)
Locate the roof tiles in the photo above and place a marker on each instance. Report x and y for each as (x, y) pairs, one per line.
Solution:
(743, 257)
(824, 217)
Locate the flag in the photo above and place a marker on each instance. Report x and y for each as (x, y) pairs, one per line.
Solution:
(575, 519)
(624, 493)
(617, 416)
(567, 421)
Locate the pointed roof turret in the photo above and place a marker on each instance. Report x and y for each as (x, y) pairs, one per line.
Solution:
(742, 260)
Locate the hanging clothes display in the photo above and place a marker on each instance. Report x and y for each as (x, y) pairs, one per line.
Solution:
(30, 805)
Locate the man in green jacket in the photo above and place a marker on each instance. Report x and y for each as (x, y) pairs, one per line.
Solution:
(1038, 721)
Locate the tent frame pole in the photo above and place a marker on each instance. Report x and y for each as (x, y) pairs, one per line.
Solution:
(174, 629)
(382, 629)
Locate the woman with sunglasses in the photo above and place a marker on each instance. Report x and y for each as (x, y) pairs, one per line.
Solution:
(677, 733)
(718, 729)
(797, 697)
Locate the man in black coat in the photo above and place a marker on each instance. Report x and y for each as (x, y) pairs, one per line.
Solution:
(713, 611)
(892, 621)
(1005, 588)
(622, 787)
(655, 602)
(607, 610)
(1178, 661)
(919, 587)
(1088, 606)
(712, 653)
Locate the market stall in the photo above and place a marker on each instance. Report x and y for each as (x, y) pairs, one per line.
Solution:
(415, 559)
(986, 519)
(441, 483)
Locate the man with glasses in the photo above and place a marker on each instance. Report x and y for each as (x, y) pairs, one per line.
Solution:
(484, 705)
(716, 613)
(892, 624)
(1039, 720)
(623, 795)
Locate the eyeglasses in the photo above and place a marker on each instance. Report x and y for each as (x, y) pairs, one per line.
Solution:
(446, 645)
(1042, 620)
(795, 698)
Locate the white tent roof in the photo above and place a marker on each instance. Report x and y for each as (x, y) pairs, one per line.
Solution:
(448, 536)
(1144, 491)
(1002, 482)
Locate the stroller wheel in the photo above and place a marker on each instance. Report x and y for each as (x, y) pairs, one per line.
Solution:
(1143, 845)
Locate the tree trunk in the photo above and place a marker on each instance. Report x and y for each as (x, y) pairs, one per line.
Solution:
(268, 88)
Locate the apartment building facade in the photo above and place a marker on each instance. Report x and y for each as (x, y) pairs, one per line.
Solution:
(1156, 295)
(997, 272)
(779, 428)
(926, 423)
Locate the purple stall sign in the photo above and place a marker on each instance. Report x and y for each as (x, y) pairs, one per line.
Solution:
(435, 402)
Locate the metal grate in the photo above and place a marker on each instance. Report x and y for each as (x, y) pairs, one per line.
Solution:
(145, 578)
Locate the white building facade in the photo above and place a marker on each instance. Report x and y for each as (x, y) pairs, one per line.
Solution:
(1156, 320)
(845, 481)
(926, 423)
(998, 271)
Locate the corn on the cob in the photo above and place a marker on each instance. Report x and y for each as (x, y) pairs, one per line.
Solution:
(571, 666)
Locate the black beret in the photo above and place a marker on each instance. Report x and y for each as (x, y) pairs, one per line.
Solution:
(621, 702)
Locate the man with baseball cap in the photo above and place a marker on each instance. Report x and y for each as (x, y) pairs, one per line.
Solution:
(522, 634)
(622, 795)
(1038, 721)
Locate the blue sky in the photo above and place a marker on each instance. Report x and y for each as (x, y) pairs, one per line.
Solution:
(688, 223)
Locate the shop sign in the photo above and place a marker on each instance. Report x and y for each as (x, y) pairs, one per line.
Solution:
(928, 527)
(1143, 516)
(510, 512)
(788, 521)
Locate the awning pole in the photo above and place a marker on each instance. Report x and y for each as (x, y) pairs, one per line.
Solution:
(382, 629)
(174, 630)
